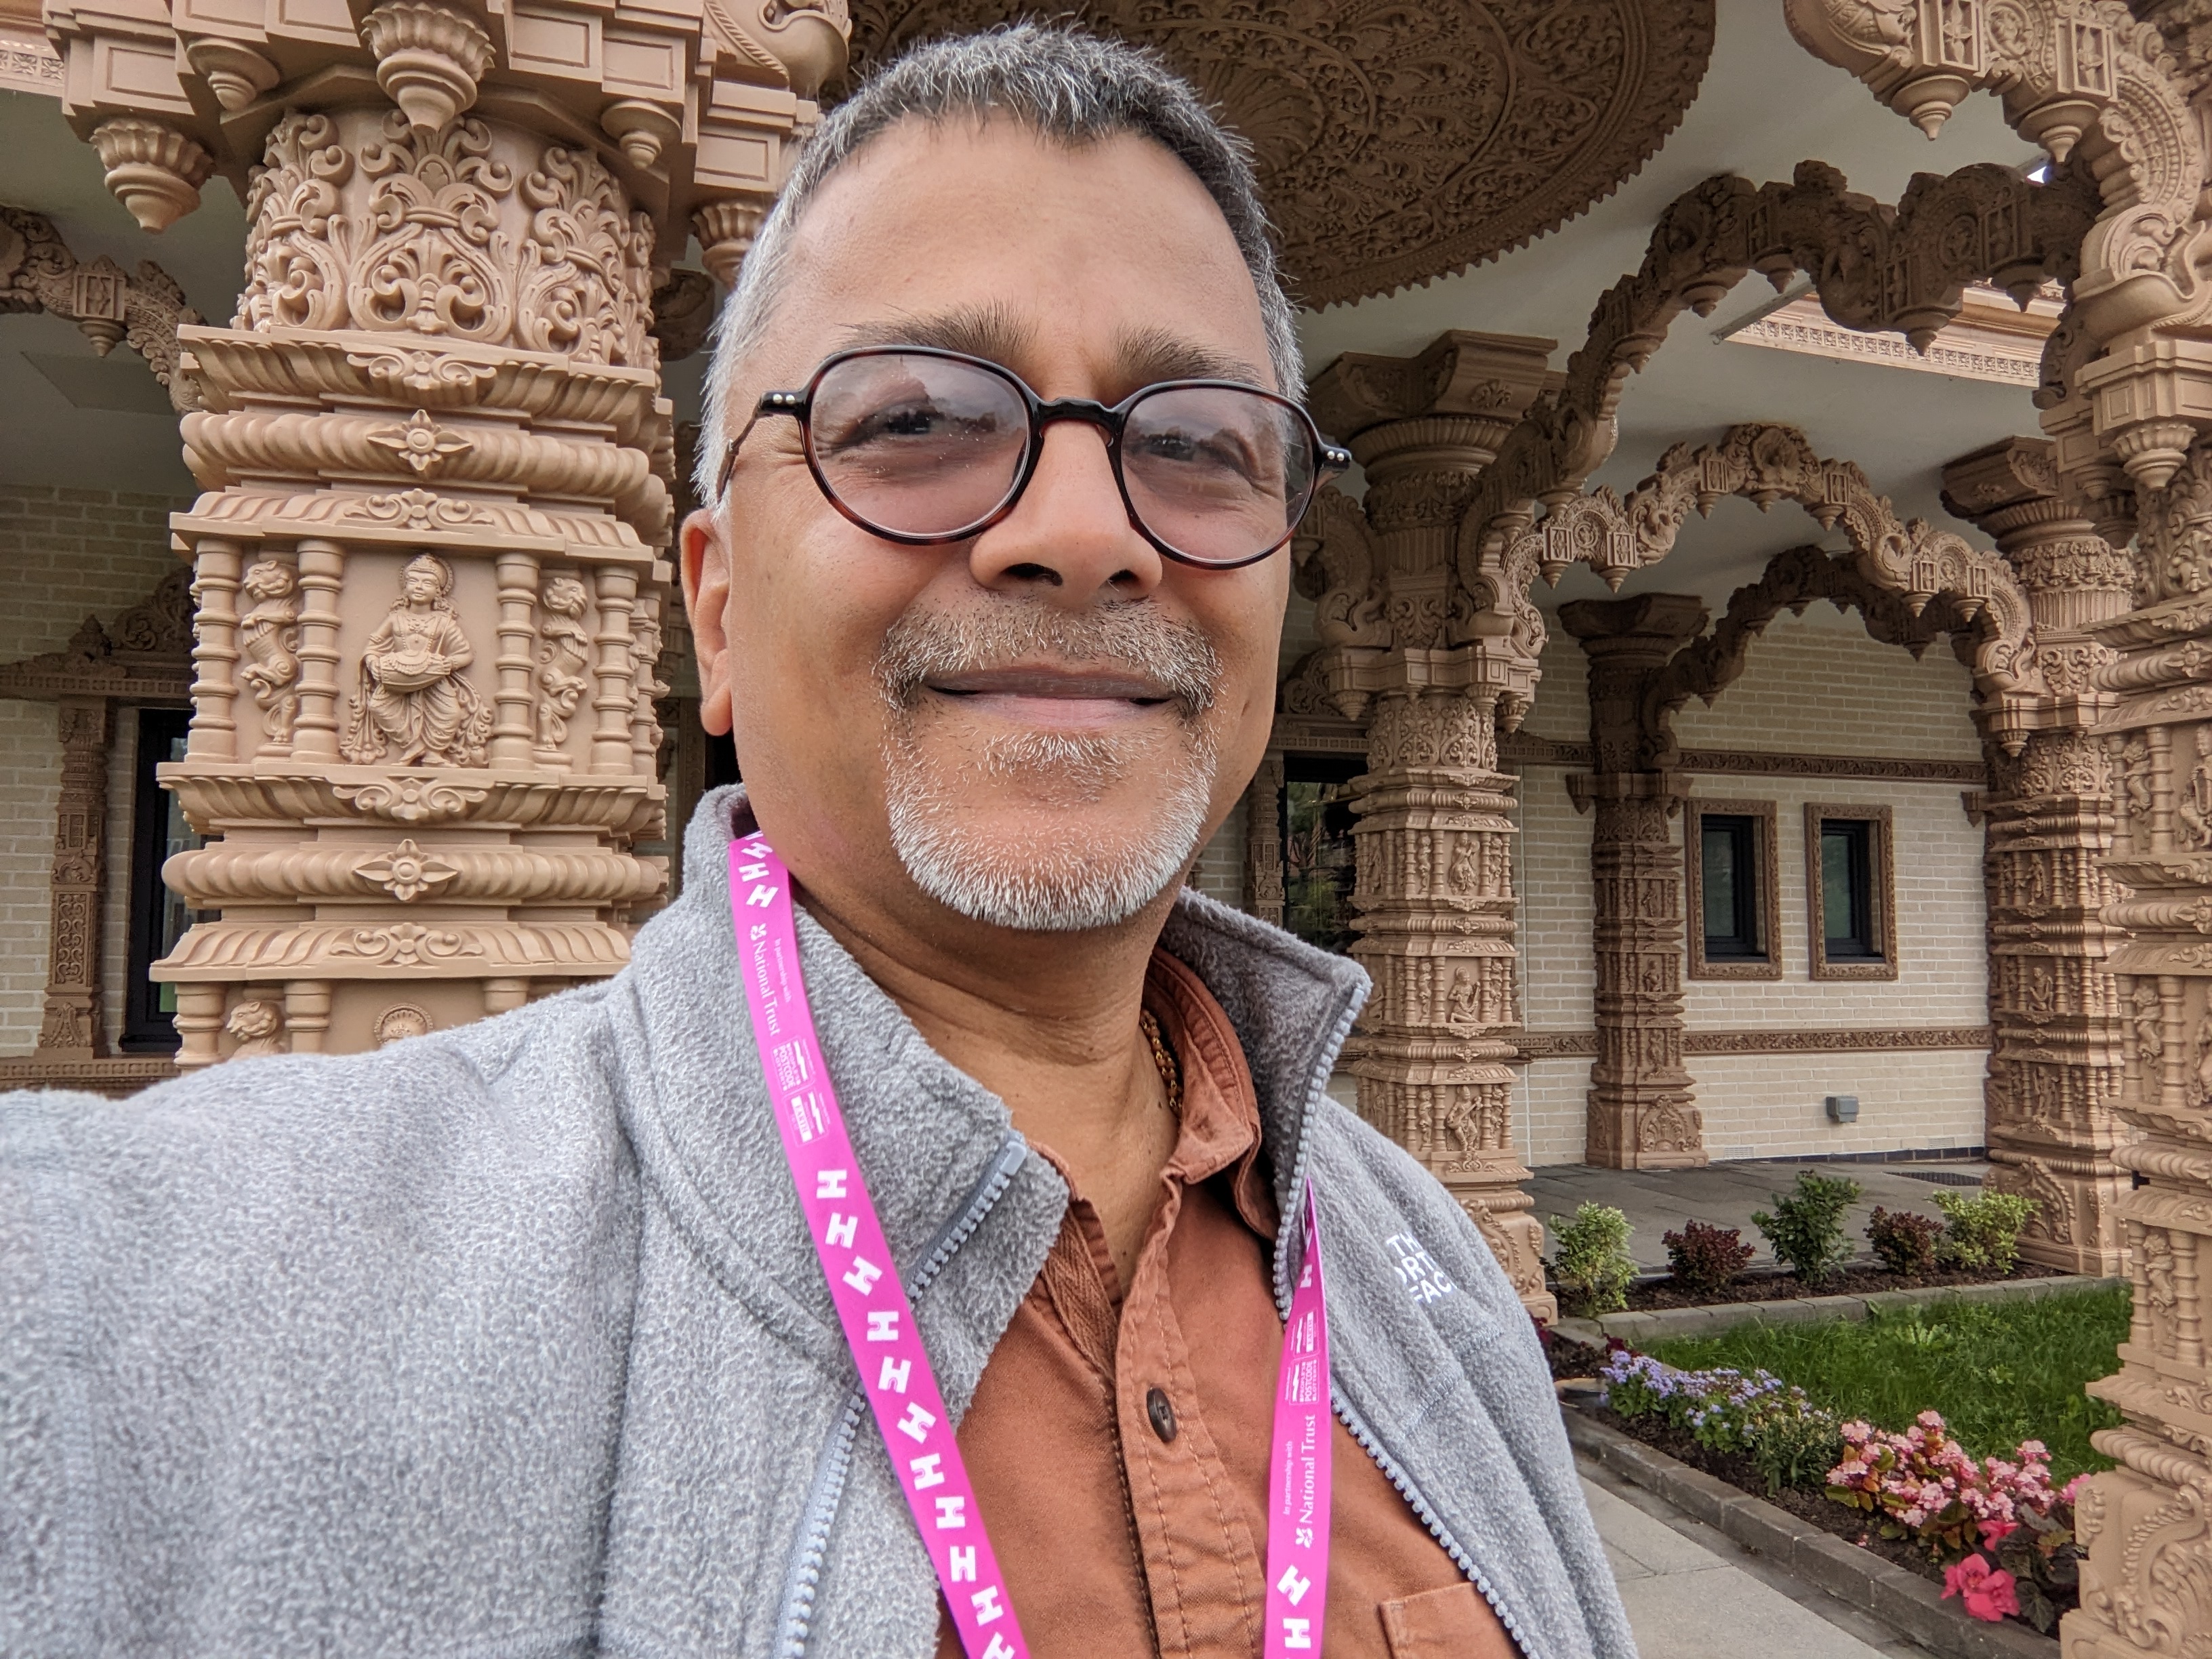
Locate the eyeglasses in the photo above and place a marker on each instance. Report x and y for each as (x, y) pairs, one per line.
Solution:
(924, 448)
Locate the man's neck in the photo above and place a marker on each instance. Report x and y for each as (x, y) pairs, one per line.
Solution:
(1048, 1023)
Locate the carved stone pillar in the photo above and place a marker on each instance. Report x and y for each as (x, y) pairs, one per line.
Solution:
(2062, 1030)
(70, 1026)
(1434, 891)
(436, 474)
(1642, 1114)
(2145, 1522)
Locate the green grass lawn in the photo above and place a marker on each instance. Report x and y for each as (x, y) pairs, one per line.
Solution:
(1999, 1372)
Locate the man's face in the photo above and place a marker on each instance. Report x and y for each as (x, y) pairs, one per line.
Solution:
(1038, 726)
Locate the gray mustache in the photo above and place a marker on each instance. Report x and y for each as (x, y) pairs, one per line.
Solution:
(1173, 655)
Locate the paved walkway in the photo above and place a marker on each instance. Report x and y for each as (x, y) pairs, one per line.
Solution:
(1724, 1195)
(1690, 1593)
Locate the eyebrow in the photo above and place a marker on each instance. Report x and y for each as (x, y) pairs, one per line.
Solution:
(989, 331)
(1142, 357)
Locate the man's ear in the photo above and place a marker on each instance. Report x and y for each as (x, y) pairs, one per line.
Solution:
(705, 568)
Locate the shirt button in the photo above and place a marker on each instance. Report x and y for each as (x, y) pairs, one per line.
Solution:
(1162, 1413)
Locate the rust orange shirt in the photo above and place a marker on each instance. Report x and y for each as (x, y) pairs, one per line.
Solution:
(1118, 1440)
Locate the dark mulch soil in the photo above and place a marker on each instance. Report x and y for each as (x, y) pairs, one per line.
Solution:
(1568, 1357)
(1788, 1287)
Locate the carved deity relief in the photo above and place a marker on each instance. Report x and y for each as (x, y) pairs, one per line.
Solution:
(564, 656)
(1465, 1007)
(257, 1027)
(1466, 864)
(269, 641)
(2135, 767)
(412, 697)
(1474, 1113)
(2150, 1032)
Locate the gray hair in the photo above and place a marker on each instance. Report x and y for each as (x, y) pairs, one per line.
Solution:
(1063, 84)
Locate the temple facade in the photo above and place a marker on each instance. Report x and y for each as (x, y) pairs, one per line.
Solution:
(1753, 699)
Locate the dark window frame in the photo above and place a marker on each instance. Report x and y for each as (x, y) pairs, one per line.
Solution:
(1765, 891)
(146, 1029)
(1876, 892)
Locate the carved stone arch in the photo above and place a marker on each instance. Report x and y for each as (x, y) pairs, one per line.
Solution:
(2092, 85)
(1792, 581)
(1875, 267)
(1915, 564)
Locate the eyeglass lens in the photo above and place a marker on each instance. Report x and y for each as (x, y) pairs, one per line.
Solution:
(924, 446)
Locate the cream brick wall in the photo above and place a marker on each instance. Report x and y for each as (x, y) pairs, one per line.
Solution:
(1561, 711)
(1816, 686)
(62, 553)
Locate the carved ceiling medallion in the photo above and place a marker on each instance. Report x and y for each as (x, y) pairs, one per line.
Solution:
(1395, 145)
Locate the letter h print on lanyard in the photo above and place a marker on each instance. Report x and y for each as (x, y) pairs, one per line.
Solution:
(896, 1375)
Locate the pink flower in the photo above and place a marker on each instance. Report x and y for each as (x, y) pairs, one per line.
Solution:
(1986, 1591)
(2072, 1490)
(1930, 1420)
(1996, 1532)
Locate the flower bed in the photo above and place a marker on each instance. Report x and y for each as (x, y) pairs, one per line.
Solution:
(1995, 1531)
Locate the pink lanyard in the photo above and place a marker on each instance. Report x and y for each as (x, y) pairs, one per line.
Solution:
(878, 1317)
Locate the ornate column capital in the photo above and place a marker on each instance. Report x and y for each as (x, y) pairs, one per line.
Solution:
(689, 102)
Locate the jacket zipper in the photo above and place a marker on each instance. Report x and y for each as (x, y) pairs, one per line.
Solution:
(794, 1621)
(1368, 1441)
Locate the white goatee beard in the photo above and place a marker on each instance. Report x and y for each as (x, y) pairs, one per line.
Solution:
(1071, 885)
(1076, 882)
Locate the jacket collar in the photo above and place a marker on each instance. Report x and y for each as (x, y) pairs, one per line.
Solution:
(925, 1133)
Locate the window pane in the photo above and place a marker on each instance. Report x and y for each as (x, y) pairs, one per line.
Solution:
(1836, 893)
(1720, 880)
(1847, 889)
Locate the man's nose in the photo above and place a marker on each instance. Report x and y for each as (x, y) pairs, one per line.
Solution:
(1069, 533)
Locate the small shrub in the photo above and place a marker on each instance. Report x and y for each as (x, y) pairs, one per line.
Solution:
(1906, 1240)
(1593, 1267)
(1807, 1227)
(1704, 1258)
(1981, 1230)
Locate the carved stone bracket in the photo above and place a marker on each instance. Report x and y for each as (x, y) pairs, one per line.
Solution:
(109, 307)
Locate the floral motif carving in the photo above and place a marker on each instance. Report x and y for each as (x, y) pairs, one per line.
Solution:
(412, 696)
(464, 233)
(411, 799)
(406, 872)
(419, 442)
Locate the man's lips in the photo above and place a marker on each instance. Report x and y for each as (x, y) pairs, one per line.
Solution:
(1052, 697)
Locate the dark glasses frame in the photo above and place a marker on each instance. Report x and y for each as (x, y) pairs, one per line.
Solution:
(1329, 460)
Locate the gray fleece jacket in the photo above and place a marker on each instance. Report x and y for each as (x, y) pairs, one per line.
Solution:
(509, 1342)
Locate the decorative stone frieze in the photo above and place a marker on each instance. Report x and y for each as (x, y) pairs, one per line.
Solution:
(1643, 1113)
(2048, 817)
(437, 470)
(1520, 116)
